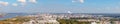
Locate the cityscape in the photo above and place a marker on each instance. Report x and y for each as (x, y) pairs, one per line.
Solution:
(59, 11)
(61, 18)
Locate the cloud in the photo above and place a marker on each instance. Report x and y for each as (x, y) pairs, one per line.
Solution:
(33, 1)
(81, 1)
(14, 4)
(22, 1)
(3, 3)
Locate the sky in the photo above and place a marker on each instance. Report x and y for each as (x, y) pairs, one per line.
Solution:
(60, 6)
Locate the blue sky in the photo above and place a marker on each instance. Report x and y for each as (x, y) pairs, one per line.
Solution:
(60, 6)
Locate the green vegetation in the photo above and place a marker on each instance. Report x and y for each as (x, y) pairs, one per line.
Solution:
(70, 21)
(15, 20)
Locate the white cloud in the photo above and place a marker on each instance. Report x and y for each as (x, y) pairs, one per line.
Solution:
(33, 1)
(22, 1)
(81, 1)
(14, 4)
(3, 3)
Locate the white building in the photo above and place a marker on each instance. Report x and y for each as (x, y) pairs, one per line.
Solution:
(93, 23)
(42, 20)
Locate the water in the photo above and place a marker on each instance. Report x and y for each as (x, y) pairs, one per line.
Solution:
(10, 15)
